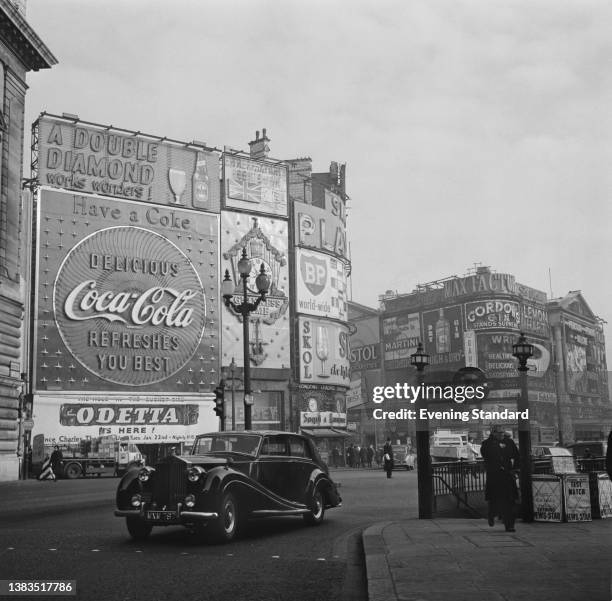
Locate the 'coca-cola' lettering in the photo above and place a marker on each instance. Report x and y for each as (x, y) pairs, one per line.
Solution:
(144, 307)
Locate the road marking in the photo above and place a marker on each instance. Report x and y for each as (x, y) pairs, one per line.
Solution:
(52, 549)
(139, 551)
(275, 556)
(95, 550)
(230, 555)
(320, 558)
(10, 548)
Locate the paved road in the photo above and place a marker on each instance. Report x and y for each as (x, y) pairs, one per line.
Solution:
(277, 560)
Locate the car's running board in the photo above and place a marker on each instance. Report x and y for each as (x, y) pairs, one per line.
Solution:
(272, 512)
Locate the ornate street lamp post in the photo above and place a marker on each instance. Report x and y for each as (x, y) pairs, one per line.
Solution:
(245, 308)
(522, 350)
(420, 360)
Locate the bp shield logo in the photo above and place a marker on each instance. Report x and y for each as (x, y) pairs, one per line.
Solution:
(314, 273)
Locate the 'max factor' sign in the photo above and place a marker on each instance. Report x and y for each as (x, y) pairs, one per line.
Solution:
(89, 158)
(127, 296)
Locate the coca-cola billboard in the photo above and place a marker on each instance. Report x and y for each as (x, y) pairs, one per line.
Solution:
(127, 297)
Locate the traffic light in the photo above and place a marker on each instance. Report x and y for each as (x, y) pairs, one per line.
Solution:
(220, 400)
(472, 376)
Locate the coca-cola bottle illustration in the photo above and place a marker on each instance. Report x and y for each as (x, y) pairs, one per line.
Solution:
(443, 334)
(200, 183)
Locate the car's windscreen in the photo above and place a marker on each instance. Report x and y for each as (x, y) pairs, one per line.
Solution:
(219, 443)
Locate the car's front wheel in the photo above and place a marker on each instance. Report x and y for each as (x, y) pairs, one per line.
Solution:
(317, 508)
(225, 528)
(138, 529)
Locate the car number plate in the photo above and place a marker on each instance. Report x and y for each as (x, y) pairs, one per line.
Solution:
(161, 516)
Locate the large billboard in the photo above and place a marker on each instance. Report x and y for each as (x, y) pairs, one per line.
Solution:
(324, 352)
(88, 158)
(126, 296)
(443, 333)
(265, 240)
(322, 228)
(155, 419)
(250, 185)
(321, 285)
(492, 314)
(401, 336)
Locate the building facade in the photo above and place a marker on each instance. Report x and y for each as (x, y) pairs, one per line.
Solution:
(473, 321)
(21, 51)
(132, 236)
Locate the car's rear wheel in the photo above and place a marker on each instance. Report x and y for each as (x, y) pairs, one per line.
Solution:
(317, 508)
(138, 529)
(72, 471)
(226, 527)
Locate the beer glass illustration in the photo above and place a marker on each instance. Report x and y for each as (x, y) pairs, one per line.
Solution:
(322, 349)
(178, 181)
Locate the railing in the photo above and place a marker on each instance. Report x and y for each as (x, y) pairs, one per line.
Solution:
(458, 478)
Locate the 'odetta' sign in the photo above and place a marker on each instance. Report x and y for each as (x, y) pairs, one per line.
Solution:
(129, 305)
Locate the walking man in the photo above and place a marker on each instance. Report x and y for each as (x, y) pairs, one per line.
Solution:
(388, 457)
(500, 457)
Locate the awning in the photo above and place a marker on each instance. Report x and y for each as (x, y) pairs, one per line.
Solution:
(325, 433)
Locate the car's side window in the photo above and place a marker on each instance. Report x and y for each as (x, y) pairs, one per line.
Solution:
(274, 445)
(297, 448)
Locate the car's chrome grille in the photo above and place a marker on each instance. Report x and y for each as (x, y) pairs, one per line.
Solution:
(169, 483)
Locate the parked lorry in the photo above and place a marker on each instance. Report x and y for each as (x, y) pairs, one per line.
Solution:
(452, 446)
(96, 456)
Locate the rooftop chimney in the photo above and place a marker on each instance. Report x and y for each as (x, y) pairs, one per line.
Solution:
(259, 148)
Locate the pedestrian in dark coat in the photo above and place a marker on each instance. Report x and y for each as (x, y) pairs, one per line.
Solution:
(56, 460)
(349, 455)
(370, 455)
(388, 457)
(609, 456)
(363, 456)
(501, 457)
(335, 456)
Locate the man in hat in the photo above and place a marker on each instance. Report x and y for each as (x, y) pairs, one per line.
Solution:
(500, 456)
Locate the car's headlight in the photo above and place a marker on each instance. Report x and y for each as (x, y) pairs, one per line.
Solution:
(145, 473)
(194, 473)
(190, 500)
(136, 500)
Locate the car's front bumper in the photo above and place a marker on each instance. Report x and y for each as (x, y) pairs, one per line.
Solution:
(182, 516)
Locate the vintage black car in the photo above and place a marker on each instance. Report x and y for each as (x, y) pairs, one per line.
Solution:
(228, 478)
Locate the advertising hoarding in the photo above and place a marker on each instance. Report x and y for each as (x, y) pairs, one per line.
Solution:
(265, 240)
(254, 185)
(124, 300)
(534, 320)
(89, 158)
(443, 332)
(321, 285)
(154, 419)
(492, 314)
(401, 336)
(323, 352)
(320, 228)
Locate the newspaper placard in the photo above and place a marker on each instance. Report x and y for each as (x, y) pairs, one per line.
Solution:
(604, 489)
(547, 501)
(577, 498)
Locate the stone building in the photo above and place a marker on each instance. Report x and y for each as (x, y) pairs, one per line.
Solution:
(21, 50)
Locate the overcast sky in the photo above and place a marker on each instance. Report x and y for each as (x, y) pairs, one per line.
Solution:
(473, 132)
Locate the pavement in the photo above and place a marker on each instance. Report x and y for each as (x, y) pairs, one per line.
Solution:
(465, 559)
